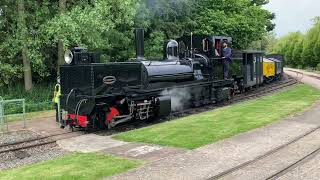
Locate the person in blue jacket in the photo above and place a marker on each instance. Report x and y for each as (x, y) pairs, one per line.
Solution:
(226, 59)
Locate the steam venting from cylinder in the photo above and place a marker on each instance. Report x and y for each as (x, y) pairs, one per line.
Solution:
(179, 98)
(139, 37)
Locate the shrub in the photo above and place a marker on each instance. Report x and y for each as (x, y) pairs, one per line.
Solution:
(318, 67)
(37, 100)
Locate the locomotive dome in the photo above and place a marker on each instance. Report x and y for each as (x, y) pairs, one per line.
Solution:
(172, 50)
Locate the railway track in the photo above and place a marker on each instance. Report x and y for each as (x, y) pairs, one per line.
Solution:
(295, 164)
(271, 152)
(35, 142)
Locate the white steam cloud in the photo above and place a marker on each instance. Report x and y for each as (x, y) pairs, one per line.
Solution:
(180, 98)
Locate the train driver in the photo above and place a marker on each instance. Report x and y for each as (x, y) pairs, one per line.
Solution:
(226, 59)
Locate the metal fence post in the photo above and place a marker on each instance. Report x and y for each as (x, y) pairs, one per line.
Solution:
(1, 114)
(24, 113)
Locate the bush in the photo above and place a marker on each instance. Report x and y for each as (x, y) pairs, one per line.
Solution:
(37, 100)
(318, 67)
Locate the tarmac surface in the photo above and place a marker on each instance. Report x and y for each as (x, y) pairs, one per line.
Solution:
(310, 78)
(43, 126)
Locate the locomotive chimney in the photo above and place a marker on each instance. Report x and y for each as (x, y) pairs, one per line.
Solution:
(139, 36)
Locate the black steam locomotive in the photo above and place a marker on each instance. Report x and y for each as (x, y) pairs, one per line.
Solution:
(102, 95)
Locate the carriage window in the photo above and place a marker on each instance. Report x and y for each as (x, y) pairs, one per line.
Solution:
(205, 45)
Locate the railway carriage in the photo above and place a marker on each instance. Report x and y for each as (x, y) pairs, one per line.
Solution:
(102, 95)
(272, 68)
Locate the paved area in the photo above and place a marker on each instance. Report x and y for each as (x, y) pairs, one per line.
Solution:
(89, 143)
(208, 161)
(105, 144)
(146, 152)
(303, 71)
(309, 170)
(43, 126)
(270, 165)
(315, 82)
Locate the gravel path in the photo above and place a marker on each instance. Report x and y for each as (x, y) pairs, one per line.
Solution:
(29, 156)
(17, 136)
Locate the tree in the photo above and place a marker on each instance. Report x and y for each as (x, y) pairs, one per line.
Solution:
(316, 48)
(265, 43)
(101, 25)
(10, 67)
(22, 40)
(106, 25)
(297, 52)
(62, 9)
(309, 45)
(22, 36)
(243, 20)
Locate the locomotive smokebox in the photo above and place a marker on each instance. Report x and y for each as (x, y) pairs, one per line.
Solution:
(139, 36)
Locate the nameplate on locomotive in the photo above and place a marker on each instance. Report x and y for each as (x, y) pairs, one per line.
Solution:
(109, 80)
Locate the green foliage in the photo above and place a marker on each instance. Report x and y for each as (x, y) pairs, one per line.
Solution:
(266, 43)
(208, 127)
(318, 67)
(301, 50)
(108, 24)
(36, 100)
(243, 20)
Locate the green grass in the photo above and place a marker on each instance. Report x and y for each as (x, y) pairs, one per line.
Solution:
(208, 127)
(74, 166)
(33, 115)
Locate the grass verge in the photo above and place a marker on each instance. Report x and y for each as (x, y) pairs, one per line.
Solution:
(32, 115)
(197, 130)
(74, 166)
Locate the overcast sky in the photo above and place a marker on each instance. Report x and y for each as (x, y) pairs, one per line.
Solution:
(293, 15)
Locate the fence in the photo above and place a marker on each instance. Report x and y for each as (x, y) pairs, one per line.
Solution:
(6, 112)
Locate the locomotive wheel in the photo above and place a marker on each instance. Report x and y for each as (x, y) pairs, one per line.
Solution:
(113, 112)
(232, 93)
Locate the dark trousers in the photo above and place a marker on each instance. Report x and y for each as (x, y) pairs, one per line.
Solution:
(57, 113)
(226, 66)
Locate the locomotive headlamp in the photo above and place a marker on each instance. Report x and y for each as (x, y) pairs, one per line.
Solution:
(68, 57)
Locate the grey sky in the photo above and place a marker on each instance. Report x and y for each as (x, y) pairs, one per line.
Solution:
(293, 15)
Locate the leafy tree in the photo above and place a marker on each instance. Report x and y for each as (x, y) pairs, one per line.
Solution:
(51, 26)
(22, 39)
(265, 43)
(97, 26)
(309, 45)
(316, 48)
(244, 20)
(302, 50)
(297, 52)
